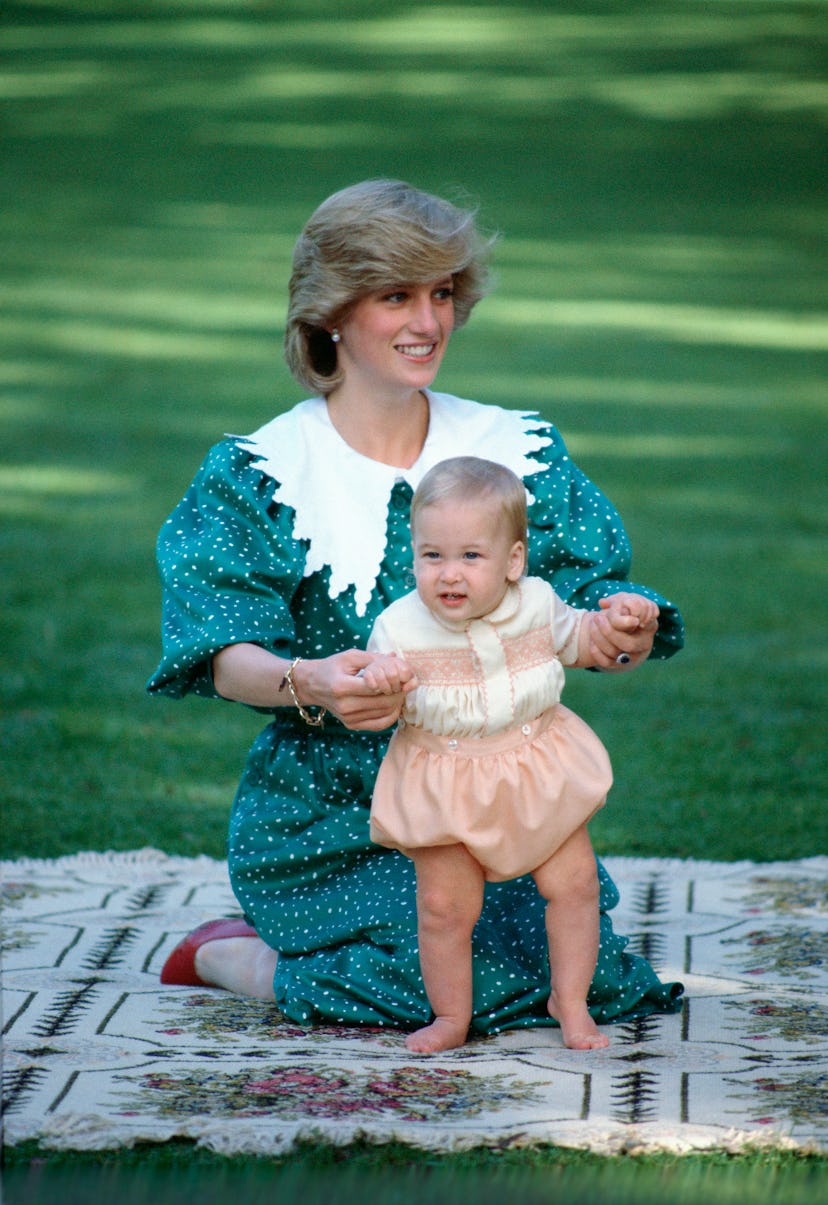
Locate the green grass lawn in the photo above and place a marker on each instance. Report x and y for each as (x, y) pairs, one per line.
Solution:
(655, 171)
(389, 1175)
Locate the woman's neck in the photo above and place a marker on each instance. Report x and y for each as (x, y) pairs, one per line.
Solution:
(390, 432)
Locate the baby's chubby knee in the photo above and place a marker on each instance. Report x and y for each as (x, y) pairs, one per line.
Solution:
(584, 882)
(440, 908)
(574, 879)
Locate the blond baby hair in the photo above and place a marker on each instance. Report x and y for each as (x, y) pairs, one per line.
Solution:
(472, 479)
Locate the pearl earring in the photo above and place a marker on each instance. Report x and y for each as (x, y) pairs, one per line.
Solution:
(335, 336)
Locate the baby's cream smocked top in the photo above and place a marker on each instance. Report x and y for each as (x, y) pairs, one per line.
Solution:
(483, 676)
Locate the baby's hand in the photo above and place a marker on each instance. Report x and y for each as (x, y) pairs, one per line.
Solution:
(622, 632)
(388, 674)
(630, 612)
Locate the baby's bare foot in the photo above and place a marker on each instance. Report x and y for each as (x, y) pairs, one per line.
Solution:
(578, 1029)
(442, 1034)
(584, 1041)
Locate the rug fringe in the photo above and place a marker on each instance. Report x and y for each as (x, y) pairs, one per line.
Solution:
(93, 1132)
(115, 859)
(618, 864)
(629, 867)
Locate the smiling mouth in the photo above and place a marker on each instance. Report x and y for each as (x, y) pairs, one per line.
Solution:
(419, 351)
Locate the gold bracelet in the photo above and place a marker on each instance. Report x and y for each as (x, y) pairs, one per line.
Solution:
(315, 721)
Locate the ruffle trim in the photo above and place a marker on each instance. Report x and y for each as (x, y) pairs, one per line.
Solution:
(340, 497)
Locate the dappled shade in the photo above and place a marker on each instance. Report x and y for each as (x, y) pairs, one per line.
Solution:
(657, 176)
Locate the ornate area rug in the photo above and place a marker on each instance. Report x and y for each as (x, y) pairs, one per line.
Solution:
(97, 1055)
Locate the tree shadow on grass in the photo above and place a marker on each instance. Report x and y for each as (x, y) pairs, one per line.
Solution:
(656, 174)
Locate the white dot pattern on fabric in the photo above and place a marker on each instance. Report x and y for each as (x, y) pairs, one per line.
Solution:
(340, 910)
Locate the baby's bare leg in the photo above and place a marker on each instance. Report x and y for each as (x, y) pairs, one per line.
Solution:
(449, 900)
(568, 881)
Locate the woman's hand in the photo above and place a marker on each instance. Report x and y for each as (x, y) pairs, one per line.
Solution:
(247, 673)
(625, 628)
(363, 690)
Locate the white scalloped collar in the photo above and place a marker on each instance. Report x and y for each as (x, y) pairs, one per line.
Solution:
(340, 497)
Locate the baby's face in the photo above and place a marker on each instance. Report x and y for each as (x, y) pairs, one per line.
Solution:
(464, 558)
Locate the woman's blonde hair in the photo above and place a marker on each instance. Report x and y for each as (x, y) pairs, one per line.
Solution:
(472, 479)
(364, 238)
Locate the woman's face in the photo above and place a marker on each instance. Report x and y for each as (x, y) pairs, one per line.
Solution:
(393, 341)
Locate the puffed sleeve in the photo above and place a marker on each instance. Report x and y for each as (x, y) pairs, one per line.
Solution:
(578, 544)
(229, 569)
(380, 640)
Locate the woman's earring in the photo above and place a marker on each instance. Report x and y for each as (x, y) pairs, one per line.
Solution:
(335, 336)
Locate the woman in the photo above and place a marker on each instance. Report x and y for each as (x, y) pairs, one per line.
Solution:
(276, 563)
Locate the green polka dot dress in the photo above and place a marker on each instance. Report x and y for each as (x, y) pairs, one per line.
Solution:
(291, 540)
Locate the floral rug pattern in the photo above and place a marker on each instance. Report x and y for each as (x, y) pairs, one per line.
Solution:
(97, 1055)
(320, 1090)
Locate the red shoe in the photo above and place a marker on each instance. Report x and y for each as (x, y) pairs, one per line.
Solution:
(180, 966)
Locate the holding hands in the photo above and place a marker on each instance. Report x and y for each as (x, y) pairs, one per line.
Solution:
(620, 635)
(338, 684)
(365, 691)
(617, 637)
(387, 674)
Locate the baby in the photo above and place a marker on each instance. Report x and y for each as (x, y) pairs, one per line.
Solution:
(488, 776)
